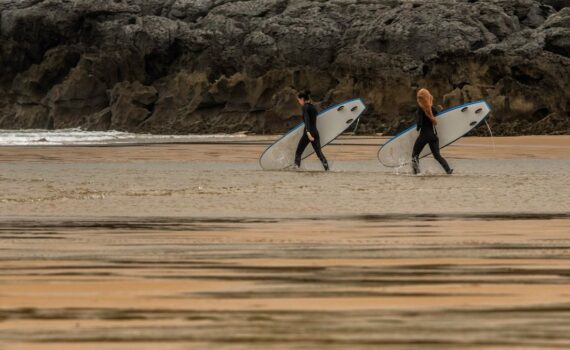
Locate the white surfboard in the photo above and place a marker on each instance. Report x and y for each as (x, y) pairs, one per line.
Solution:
(331, 122)
(452, 124)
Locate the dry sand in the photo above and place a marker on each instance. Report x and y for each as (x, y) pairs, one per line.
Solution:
(192, 246)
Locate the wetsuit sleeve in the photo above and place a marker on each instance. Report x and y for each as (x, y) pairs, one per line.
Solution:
(434, 111)
(419, 119)
(312, 111)
(306, 118)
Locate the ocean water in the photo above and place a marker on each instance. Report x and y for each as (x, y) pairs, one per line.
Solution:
(77, 136)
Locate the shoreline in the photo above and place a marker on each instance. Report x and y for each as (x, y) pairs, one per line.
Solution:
(231, 138)
(225, 180)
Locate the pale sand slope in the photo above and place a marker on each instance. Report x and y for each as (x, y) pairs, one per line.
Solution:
(185, 247)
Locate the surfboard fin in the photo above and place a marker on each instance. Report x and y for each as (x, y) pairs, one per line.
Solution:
(354, 108)
(479, 110)
(340, 108)
(464, 109)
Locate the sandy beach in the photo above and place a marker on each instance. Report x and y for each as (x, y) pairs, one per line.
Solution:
(135, 213)
(193, 246)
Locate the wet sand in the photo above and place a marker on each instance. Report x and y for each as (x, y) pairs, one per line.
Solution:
(192, 246)
(522, 175)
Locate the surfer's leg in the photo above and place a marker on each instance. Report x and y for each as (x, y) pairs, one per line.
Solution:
(317, 147)
(303, 142)
(418, 147)
(434, 146)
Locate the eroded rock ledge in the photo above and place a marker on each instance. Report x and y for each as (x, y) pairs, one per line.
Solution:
(207, 66)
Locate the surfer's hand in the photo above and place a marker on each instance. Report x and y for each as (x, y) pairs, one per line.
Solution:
(434, 121)
(311, 138)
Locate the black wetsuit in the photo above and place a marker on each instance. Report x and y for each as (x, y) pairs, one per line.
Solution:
(310, 119)
(428, 135)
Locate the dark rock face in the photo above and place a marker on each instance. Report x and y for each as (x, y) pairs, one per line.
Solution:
(208, 66)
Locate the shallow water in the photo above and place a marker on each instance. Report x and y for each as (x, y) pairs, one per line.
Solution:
(76, 136)
(224, 189)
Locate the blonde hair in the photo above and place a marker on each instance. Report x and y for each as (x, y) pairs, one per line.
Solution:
(425, 101)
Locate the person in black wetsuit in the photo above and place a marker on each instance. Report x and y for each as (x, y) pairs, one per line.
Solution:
(428, 134)
(310, 134)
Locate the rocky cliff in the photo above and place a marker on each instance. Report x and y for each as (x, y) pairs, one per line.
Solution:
(206, 66)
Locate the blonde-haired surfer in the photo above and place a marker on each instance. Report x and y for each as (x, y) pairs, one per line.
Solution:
(426, 123)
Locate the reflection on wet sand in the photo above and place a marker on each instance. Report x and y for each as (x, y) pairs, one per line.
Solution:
(192, 246)
(363, 283)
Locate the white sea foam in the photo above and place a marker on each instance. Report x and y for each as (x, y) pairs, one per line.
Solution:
(80, 137)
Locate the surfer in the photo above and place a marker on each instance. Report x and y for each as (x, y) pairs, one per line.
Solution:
(428, 134)
(310, 134)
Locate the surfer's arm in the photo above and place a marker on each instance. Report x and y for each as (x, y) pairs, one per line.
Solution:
(312, 117)
(306, 119)
(418, 120)
(432, 116)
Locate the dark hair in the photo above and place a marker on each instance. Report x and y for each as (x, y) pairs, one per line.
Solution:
(305, 95)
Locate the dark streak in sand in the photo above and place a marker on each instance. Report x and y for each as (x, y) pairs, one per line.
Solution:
(182, 252)
(168, 223)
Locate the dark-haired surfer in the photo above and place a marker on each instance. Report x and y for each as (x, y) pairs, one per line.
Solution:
(310, 134)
